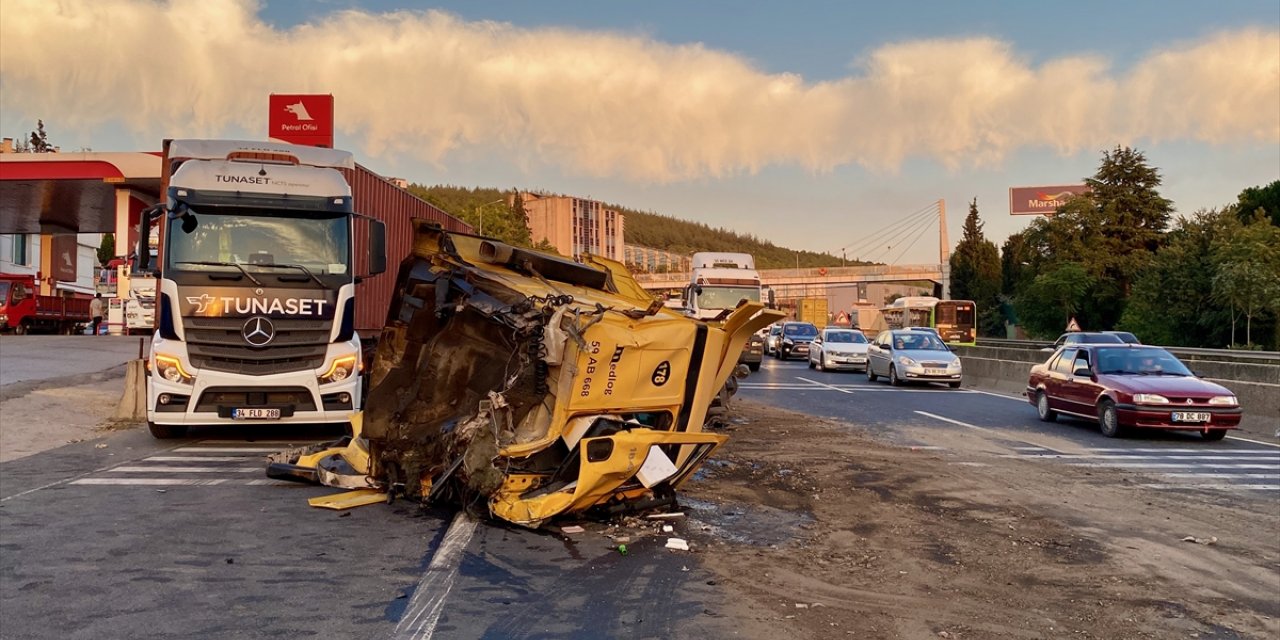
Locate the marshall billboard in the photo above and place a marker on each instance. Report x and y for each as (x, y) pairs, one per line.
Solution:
(302, 119)
(1025, 201)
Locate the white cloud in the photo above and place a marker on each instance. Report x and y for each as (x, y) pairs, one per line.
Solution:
(606, 104)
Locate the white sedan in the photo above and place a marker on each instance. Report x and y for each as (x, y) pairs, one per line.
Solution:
(837, 348)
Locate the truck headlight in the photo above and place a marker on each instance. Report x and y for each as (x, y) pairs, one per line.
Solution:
(1149, 398)
(171, 369)
(340, 369)
(1224, 400)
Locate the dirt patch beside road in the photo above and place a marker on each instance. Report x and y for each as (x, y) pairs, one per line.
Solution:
(853, 538)
(47, 417)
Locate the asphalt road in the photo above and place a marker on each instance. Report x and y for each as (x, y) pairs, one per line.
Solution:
(129, 537)
(126, 536)
(33, 358)
(929, 415)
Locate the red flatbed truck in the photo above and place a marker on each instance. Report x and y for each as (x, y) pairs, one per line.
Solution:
(23, 311)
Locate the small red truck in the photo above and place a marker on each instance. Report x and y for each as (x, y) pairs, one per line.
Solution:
(22, 311)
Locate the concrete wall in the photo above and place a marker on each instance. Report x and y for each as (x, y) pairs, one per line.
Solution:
(1256, 385)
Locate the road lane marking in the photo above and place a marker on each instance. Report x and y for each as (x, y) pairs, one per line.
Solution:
(1021, 399)
(1162, 465)
(1253, 487)
(175, 482)
(820, 384)
(1269, 444)
(76, 477)
(1171, 450)
(195, 459)
(1248, 476)
(232, 449)
(165, 469)
(1117, 456)
(956, 422)
(424, 609)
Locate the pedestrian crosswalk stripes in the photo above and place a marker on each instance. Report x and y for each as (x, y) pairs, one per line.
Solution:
(1176, 468)
(202, 464)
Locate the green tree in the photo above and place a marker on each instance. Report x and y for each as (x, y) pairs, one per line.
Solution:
(39, 140)
(107, 249)
(1172, 302)
(1112, 232)
(1266, 199)
(975, 273)
(1053, 298)
(1248, 272)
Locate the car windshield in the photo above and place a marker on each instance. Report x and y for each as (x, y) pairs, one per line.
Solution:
(918, 341)
(846, 337)
(1140, 362)
(800, 330)
(726, 297)
(255, 239)
(1094, 338)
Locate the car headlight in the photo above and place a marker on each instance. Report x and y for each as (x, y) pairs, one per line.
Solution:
(1224, 400)
(906, 362)
(171, 369)
(1149, 398)
(787, 341)
(954, 364)
(340, 369)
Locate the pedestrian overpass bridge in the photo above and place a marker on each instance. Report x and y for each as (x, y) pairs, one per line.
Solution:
(814, 278)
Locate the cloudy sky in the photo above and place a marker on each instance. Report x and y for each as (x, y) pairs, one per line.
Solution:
(812, 125)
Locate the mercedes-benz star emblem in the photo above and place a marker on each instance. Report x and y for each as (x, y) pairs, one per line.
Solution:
(258, 331)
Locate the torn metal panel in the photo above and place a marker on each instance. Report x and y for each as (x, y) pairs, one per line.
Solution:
(534, 385)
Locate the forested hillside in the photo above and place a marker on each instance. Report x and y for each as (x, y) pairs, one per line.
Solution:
(642, 227)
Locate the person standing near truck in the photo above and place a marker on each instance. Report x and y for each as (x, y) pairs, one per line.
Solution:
(95, 311)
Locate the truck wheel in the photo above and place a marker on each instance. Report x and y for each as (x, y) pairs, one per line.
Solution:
(167, 431)
(22, 329)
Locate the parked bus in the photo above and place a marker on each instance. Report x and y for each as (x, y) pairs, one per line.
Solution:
(954, 320)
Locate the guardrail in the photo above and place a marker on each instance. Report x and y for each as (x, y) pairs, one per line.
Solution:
(1193, 353)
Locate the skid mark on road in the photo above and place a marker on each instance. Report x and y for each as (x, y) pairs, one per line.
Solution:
(423, 612)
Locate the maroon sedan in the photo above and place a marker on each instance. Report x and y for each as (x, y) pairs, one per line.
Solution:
(1123, 386)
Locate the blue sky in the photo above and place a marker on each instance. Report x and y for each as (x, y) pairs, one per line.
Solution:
(810, 125)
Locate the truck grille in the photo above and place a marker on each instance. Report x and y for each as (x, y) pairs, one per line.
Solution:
(217, 344)
(214, 398)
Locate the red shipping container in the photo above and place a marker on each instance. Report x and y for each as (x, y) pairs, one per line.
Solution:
(381, 199)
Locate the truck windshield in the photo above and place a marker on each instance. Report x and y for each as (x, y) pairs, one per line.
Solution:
(726, 297)
(4, 293)
(260, 240)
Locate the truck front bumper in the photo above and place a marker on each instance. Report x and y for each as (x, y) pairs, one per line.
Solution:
(215, 396)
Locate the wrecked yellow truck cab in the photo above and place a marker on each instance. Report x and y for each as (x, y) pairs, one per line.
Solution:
(531, 384)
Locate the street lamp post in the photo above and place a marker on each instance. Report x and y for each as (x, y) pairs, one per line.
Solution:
(480, 212)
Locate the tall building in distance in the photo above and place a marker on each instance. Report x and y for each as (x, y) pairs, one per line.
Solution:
(575, 226)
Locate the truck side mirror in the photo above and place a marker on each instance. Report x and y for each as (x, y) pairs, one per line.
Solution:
(377, 247)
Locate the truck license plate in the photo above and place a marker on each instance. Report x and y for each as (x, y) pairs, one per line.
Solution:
(255, 414)
(1190, 416)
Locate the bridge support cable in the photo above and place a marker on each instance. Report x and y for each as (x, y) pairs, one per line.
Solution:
(869, 243)
(903, 234)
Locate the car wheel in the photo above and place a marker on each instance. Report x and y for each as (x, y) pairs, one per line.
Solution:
(811, 365)
(893, 376)
(1109, 419)
(1213, 435)
(953, 385)
(166, 431)
(871, 374)
(754, 366)
(1042, 408)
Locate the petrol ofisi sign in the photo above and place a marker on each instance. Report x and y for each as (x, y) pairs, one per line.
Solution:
(305, 119)
(1042, 200)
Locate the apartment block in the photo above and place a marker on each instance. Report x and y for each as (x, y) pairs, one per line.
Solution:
(575, 226)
